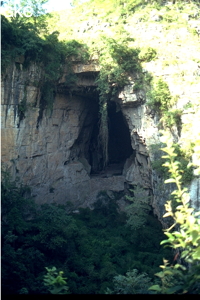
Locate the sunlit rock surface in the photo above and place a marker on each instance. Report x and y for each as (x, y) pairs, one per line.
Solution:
(57, 154)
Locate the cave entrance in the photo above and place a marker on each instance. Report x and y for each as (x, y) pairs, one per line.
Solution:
(119, 144)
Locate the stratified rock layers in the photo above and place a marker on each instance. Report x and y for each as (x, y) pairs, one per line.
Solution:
(50, 153)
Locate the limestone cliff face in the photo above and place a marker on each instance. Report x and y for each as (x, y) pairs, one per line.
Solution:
(49, 154)
(56, 154)
(144, 129)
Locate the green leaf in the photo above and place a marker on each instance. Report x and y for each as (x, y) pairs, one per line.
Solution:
(177, 266)
(174, 289)
(195, 236)
(168, 214)
(166, 164)
(170, 180)
(170, 235)
(164, 242)
(196, 254)
(155, 287)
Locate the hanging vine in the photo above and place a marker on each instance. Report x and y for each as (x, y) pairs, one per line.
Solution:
(103, 130)
(117, 61)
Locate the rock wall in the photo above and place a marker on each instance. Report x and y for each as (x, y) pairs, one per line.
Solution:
(144, 130)
(46, 155)
(51, 154)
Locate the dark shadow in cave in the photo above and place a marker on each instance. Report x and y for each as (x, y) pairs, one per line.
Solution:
(119, 145)
(87, 147)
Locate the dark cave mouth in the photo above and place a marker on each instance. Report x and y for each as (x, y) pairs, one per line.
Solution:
(119, 144)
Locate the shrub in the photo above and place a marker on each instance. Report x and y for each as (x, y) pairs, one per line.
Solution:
(182, 277)
(160, 96)
(131, 283)
(137, 212)
(147, 54)
(55, 281)
(182, 158)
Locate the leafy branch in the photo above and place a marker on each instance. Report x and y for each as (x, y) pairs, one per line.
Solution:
(182, 277)
(55, 281)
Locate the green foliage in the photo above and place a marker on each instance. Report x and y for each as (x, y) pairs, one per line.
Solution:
(13, 200)
(107, 251)
(147, 54)
(117, 61)
(54, 55)
(170, 16)
(137, 211)
(90, 247)
(55, 282)
(172, 117)
(176, 280)
(161, 101)
(186, 168)
(17, 211)
(18, 40)
(23, 291)
(182, 277)
(131, 283)
(38, 16)
(61, 228)
(182, 158)
(21, 39)
(160, 97)
(158, 160)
